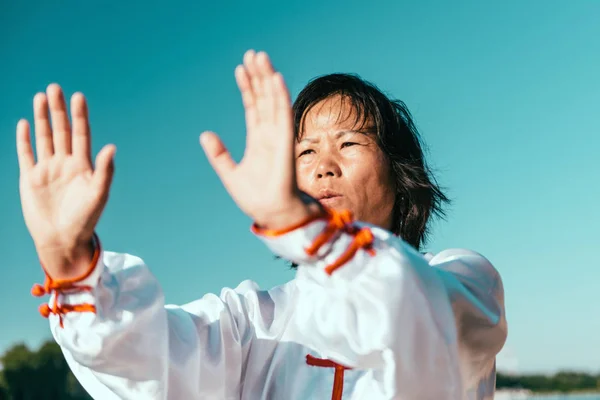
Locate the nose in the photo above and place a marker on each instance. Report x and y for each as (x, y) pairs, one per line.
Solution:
(328, 168)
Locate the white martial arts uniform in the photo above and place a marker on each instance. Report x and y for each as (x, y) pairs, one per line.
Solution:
(395, 325)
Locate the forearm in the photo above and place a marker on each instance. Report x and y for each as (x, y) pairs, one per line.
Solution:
(133, 346)
(122, 346)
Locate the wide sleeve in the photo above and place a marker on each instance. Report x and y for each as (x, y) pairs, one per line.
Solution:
(122, 342)
(368, 300)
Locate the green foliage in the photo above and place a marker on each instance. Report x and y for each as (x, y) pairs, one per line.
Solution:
(560, 382)
(41, 374)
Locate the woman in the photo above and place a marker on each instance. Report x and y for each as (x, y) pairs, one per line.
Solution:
(366, 317)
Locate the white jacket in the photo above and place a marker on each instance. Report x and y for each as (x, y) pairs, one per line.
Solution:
(388, 323)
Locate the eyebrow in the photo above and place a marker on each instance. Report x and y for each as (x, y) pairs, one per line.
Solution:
(337, 136)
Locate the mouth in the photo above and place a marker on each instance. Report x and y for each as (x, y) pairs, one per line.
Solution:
(328, 197)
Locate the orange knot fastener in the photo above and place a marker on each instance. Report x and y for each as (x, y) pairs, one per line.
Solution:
(45, 310)
(342, 221)
(57, 287)
(323, 362)
(38, 290)
(338, 379)
(338, 220)
(363, 239)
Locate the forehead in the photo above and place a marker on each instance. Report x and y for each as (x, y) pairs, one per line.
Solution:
(333, 113)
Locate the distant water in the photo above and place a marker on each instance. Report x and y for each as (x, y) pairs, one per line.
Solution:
(567, 397)
(520, 396)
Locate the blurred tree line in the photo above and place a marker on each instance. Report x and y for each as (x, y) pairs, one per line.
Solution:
(560, 382)
(45, 375)
(38, 375)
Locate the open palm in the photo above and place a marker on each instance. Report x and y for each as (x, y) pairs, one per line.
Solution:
(263, 184)
(62, 194)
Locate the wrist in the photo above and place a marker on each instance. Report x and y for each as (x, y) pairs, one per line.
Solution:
(299, 211)
(69, 262)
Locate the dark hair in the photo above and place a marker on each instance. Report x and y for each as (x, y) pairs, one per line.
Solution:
(418, 195)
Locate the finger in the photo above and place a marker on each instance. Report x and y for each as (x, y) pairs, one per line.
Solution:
(61, 128)
(218, 155)
(249, 63)
(81, 128)
(268, 100)
(248, 98)
(264, 98)
(283, 102)
(243, 81)
(253, 72)
(104, 169)
(264, 65)
(24, 150)
(43, 132)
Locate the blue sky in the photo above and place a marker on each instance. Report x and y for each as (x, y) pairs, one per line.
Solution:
(505, 95)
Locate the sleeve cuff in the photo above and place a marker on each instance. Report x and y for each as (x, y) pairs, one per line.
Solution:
(68, 295)
(292, 244)
(92, 277)
(329, 240)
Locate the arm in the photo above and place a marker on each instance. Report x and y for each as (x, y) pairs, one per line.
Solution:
(122, 342)
(369, 300)
(107, 311)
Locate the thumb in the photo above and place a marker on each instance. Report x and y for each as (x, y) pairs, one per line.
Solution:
(218, 155)
(105, 168)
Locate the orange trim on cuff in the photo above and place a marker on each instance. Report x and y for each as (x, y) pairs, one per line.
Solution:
(337, 221)
(363, 239)
(342, 221)
(60, 286)
(280, 232)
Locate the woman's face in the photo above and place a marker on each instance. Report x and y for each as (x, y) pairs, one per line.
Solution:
(341, 165)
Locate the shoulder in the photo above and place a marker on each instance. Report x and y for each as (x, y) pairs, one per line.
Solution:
(460, 256)
(470, 267)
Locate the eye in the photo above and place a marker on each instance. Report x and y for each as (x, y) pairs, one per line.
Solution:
(348, 144)
(305, 152)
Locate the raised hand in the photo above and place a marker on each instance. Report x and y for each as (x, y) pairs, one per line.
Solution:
(263, 184)
(62, 194)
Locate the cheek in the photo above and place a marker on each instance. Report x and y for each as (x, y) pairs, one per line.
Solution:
(372, 173)
(302, 176)
(381, 194)
(376, 188)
